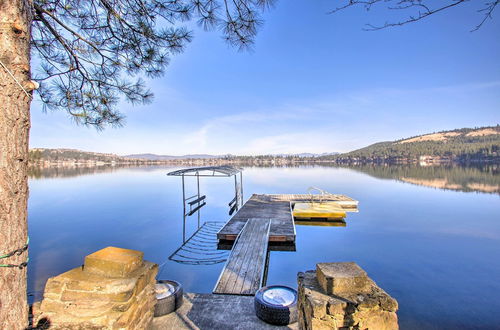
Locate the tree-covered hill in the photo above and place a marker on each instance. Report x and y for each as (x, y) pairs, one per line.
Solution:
(460, 145)
(54, 155)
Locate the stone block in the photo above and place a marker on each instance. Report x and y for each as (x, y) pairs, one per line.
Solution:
(124, 306)
(354, 302)
(336, 308)
(375, 319)
(342, 277)
(77, 279)
(88, 310)
(72, 295)
(84, 285)
(113, 262)
(388, 303)
(115, 289)
(53, 306)
(53, 285)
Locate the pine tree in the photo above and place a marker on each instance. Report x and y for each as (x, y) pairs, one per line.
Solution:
(91, 53)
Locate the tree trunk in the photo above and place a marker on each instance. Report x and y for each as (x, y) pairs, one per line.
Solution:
(15, 27)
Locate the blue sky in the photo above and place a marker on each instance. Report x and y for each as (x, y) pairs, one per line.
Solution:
(314, 83)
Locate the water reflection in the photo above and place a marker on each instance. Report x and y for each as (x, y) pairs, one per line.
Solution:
(434, 250)
(483, 179)
(43, 172)
(201, 247)
(338, 223)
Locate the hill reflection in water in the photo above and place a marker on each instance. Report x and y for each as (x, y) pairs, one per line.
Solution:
(37, 172)
(483, 179)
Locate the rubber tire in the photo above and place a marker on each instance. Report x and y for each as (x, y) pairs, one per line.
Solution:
(273, 314)
(171, 303)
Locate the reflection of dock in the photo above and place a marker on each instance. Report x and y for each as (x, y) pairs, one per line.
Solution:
(279, 209)
(201, 248)
(337, 223)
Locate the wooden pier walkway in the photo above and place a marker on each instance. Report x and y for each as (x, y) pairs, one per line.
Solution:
(243, 272)
(279, 209)
(262, 219)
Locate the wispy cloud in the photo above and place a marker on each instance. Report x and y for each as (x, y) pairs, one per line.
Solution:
(338, 122)
(240, 121)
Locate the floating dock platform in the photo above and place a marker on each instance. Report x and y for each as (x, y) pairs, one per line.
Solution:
(278, 208)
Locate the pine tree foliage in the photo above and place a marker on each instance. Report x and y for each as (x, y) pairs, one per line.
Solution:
(92, 52)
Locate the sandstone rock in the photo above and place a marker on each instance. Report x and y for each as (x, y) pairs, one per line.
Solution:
(113, 262)
(342, 277)
(116, 296)
(357, 304)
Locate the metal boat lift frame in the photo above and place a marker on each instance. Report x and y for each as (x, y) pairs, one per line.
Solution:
(201, 247)
(197, 201)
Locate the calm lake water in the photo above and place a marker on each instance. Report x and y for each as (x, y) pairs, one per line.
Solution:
(430, 237)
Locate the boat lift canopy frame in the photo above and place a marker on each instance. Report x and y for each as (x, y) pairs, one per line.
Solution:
(197, 201)
(217, 171)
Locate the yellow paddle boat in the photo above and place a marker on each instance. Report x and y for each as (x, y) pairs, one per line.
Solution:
(323, 210)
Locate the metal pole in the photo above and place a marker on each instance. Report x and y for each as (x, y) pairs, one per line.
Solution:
(266, 267)
(198, 182)
(183, 212)
(241, 188)
(236, 190)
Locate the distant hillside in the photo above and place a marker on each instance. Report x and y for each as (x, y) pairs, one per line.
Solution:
(308, 154)
(465, 145)
(168, 157)
(43, 154)
(459, 145)
(228, 156)
(65, 157)
(73, 156)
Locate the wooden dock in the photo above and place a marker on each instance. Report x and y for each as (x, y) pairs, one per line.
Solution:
(261, 220)
(244, 270)
(279, 209)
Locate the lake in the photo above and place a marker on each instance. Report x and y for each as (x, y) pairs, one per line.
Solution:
(429, 236)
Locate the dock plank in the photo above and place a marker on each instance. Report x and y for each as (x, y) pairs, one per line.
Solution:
(242, 274)
(343, 200)
(231, 272)
(258, 206)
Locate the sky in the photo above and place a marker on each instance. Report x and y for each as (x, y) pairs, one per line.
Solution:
(314, 82)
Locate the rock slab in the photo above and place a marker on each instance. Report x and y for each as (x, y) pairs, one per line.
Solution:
(117, 295)
(113, 262)
(342, 277)
(358, 303)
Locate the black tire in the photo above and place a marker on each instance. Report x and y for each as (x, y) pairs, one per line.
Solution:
(275, 314)
(170, 303)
